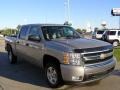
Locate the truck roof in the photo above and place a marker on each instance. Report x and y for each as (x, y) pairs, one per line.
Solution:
(45, 25)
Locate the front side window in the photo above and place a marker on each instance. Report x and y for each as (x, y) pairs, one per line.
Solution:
(59, 32)
(23, 32)
(34, 34)
(111, 32)
(118, 33)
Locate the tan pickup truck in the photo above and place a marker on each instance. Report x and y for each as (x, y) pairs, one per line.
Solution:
(62, 53)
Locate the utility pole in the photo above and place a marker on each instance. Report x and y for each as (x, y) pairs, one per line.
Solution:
(68, 1)
(67, 10)
(119, 22)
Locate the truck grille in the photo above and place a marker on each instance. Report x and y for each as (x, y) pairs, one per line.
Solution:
(97, 56)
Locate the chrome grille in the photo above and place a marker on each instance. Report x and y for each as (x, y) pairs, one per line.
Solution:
(98, 56)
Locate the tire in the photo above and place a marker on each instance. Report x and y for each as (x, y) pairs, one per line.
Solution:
(53, 75)
(12, 58)
(115, 43)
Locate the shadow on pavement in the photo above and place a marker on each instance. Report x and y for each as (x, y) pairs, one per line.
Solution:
(27, 73)
(21, 72)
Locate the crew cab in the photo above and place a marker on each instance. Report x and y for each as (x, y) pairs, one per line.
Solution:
(62, 53)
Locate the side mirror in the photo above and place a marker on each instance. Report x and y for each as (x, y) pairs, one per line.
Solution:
(34, 38)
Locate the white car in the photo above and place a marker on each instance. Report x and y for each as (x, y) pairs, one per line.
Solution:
(1, 35)
(98, 34)
(113, 36)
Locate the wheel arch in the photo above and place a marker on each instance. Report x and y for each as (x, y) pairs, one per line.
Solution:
(116, 40)
(49, 59)
(8, 47)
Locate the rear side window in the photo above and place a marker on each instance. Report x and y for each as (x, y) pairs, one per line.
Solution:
(111, 32)
(100, 32)
(119, 33)
(23, 32)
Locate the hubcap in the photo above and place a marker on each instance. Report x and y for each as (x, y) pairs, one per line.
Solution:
(115, 44)
(52, 75)
(10, 56)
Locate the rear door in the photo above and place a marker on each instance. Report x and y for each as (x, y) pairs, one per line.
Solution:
(21, 42)
(35, 45)
(112, 35)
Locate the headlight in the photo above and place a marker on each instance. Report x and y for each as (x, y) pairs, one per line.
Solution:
(73, 59)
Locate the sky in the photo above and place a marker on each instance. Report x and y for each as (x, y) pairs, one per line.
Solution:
(82, 12)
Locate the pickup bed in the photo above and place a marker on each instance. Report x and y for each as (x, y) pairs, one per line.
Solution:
(62, 53)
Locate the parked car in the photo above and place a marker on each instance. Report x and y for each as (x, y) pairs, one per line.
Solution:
(113, 36)
(62, 53)
(98, 34)
(1, 35)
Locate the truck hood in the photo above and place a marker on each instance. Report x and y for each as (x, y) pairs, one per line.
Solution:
(81, 43)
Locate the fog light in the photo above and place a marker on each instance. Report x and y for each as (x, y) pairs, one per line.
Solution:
(77, 78)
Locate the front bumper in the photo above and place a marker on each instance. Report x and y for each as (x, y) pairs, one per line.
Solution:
(88, 73)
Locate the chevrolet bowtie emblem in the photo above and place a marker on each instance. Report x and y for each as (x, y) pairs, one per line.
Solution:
(103, 56)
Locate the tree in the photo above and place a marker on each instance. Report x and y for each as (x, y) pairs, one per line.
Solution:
(18, 27)
(95, 29)
(67, 23)
(8, 31)
(79, 30)
(84, 30)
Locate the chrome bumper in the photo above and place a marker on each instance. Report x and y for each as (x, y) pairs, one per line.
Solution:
(88, 73)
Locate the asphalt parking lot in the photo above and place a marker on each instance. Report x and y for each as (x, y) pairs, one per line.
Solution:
(25, 76)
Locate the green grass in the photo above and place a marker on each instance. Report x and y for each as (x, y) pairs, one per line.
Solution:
(117, 53)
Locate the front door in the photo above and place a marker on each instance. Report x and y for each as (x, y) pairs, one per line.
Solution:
(34, 45)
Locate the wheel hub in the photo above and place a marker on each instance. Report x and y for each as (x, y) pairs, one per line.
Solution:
(52, 75)
(115, 44)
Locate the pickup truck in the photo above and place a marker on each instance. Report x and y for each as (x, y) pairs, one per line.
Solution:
(62, 53)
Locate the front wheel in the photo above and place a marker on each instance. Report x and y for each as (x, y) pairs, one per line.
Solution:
(53, 75)
(115, 43)
(12, 58)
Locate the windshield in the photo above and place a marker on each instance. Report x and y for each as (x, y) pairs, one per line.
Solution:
(59, 32)
(100, 32)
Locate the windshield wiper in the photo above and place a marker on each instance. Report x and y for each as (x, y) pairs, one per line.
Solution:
(72, 37)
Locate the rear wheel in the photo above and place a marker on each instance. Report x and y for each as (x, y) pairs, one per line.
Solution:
(115, 43)
(12, 58)
(53, 75)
